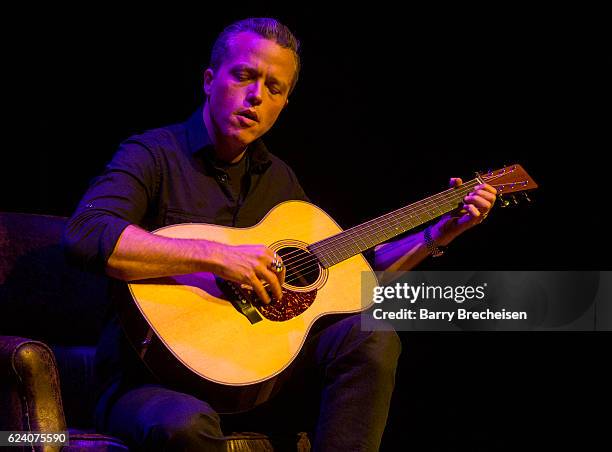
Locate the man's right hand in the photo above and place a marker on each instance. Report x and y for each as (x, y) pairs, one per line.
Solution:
(141, 255)
(251, 266)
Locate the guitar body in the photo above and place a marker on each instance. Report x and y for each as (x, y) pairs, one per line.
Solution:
(187, 327)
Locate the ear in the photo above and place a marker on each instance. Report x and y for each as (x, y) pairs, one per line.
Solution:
(208, 79)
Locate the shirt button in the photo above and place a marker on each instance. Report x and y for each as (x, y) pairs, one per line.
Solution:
(223, 178)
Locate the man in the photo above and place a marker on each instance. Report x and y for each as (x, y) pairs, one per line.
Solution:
(215, 169)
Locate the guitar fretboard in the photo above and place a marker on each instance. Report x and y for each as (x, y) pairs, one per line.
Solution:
(357, 239)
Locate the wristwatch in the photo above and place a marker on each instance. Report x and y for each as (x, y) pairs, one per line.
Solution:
(434, 249)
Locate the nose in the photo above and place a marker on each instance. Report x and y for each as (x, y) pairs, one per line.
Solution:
(254, 93)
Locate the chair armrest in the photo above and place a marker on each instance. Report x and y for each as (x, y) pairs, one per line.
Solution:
(29, 387)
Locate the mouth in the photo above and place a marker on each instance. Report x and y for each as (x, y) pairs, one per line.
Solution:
(251, 115)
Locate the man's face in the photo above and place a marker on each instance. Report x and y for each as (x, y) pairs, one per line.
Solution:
(249, 90)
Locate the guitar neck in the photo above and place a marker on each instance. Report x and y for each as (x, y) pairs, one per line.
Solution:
(357, 239)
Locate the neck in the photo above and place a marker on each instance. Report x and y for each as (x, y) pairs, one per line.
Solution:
(224, 149)
(230, 157)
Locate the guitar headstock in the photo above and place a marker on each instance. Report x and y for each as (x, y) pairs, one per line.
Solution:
(509, 179)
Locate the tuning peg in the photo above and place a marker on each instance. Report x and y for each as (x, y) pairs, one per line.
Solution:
(526, 197)
(514, 200)
(503, 202)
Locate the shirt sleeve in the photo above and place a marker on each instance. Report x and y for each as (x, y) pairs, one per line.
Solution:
(117, 198)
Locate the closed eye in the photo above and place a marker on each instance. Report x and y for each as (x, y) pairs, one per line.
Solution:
(274, 89)
(243, 75)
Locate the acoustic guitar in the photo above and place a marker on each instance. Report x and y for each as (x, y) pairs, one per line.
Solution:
(209, 337)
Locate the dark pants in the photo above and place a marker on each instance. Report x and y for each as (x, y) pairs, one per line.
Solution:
(342, 384)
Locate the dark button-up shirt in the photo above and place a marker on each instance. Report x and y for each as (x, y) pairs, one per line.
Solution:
(162, 177)
(170, 176)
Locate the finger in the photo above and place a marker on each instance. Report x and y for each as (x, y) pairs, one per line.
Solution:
(487, 188)
(480, 203)
(485, 194)
(472, 211)
(477, 215)
(259, 289)
(455, 181)
(273, 283)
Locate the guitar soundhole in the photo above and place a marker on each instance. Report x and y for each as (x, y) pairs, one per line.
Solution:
(302, 268)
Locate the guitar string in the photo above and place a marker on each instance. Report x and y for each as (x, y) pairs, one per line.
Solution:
(348, 236)
(310, 260)
(427, 201)
(430, 200)
(398, 218)
(396, 215)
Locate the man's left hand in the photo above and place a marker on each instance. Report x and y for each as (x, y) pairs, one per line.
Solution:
(476, 206)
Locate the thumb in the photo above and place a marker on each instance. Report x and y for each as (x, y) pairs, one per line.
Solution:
(455, 181)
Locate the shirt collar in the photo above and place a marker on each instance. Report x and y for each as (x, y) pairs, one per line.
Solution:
(198, 139)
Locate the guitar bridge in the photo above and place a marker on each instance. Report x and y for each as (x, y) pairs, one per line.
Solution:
(239, 300)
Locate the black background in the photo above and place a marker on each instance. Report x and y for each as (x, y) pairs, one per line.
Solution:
(390, 104)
